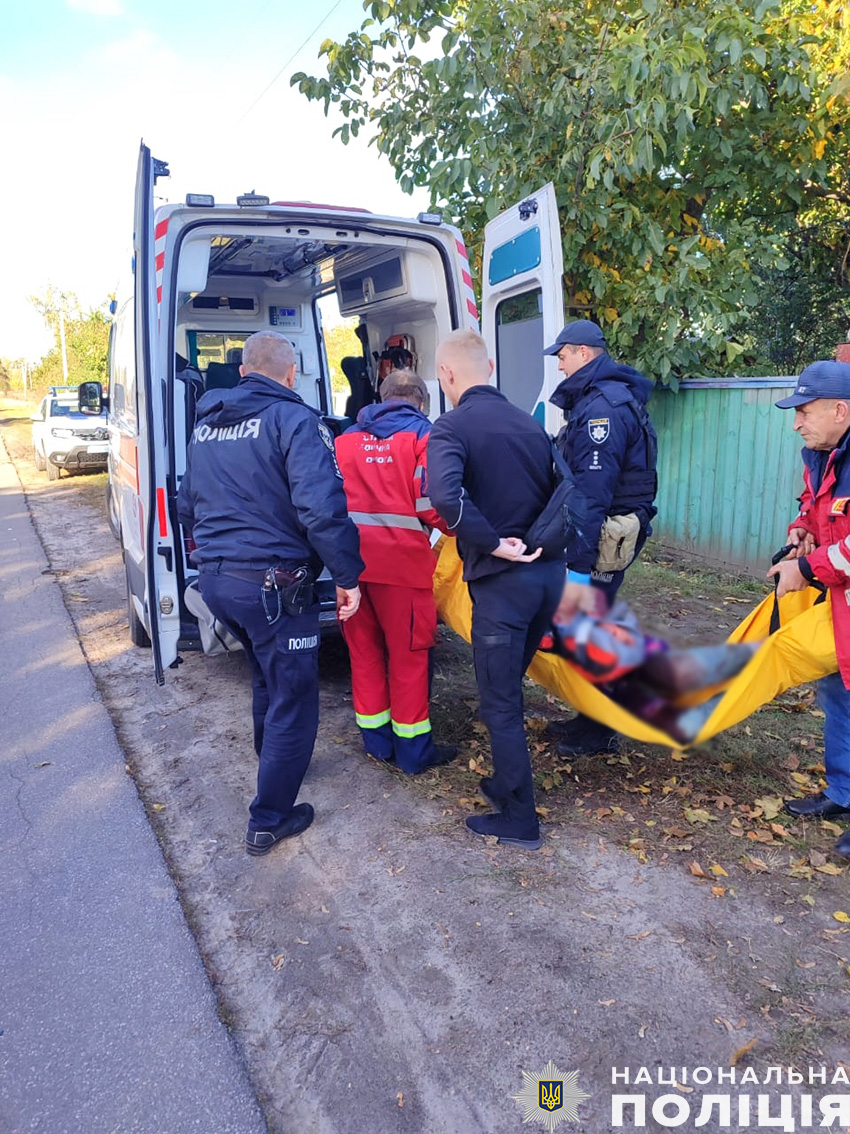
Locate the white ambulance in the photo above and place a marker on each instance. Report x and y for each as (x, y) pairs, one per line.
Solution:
(206, 276)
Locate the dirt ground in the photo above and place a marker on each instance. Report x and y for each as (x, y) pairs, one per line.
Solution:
(389, 972)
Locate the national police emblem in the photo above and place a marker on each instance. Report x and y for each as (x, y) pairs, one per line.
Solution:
(550, 1097)
(599, 428)
(326, 435)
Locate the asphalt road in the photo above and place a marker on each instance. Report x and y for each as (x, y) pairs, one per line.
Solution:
(108, 1023)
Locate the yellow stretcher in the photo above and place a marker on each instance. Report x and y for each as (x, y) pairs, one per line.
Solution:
(802, 650)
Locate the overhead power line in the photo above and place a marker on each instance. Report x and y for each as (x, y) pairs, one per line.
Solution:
(294, 55)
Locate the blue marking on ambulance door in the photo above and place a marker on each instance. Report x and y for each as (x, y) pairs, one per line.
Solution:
(515, 256)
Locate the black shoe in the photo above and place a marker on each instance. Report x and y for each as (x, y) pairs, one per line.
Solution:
(504, 830)
(818, 806)
(605, 743)
(298, 820)
(442, 754)
(842, 847)
(567, 731)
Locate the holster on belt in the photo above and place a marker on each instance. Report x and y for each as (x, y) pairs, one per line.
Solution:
(295, 587)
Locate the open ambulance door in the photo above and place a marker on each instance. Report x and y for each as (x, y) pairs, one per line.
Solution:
(160, 602)
(522, 307)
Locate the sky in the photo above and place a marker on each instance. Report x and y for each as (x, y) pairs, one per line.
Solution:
(83, 81)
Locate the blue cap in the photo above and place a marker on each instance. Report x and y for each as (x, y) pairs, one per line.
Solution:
(579, 333)
(825, 379)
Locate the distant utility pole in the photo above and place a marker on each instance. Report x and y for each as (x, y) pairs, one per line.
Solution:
(62, 341)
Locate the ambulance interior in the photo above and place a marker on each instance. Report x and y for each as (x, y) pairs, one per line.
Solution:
(302, 282)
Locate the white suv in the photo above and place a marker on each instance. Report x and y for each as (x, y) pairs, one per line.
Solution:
(64, 438)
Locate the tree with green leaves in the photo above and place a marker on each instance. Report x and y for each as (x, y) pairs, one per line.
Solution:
(86, 341)
(685, 140)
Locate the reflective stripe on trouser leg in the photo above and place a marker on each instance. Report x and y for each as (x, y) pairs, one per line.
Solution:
(377, 733)
(413, 745)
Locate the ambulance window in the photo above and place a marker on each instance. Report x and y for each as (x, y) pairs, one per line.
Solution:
(519, 347)
(122, 371)
(206, 347)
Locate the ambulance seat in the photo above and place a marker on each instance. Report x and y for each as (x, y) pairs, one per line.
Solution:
(362, 394)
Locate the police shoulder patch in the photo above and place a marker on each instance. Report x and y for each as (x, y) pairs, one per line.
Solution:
(599, 428)
(326, 435)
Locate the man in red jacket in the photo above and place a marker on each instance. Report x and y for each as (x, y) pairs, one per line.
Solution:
(820, 536)
(384, 468)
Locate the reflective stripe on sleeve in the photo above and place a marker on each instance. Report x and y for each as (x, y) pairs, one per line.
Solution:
(837, 557)
(423, 504)
(386, 520)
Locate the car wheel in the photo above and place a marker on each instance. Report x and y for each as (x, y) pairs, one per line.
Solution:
(112, 516)
(52, 470)
(138, 633)
(40, 462)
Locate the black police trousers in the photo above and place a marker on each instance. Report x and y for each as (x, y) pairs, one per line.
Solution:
(284, 660)
(510, 613)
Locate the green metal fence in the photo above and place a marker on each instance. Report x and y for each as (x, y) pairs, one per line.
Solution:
(729, 469)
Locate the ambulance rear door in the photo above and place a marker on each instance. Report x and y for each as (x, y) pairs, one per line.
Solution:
(161, 607)
(522, 307)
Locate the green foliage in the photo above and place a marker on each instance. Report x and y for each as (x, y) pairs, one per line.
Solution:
(340, 341)
(683, 141)
(86, 341)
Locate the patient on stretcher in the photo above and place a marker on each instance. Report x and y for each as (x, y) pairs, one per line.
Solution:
(643, 674)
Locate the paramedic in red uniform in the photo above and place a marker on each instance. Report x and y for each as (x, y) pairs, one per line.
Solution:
(383, 463)
(820, 536)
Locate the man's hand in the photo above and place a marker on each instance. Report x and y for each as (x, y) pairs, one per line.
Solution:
(515, 550)
(347, 602)
(790, 577)
(803, 543)
(577, 597)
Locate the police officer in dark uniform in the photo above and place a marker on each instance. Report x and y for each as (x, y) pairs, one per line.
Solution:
(263, 498)
(610, 445)
(490, 476)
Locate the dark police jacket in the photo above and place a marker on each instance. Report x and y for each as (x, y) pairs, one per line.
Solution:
(609, 444)
(262, 484)
(489, 475)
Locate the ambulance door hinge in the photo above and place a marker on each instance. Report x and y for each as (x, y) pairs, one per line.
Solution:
(160, 169)
(527, 208)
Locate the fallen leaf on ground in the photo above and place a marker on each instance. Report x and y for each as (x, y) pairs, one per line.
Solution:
(742, 1051)
(278, 961)
(685, 1090)
(770, 805)
(400, 1098)
(718, 870)
(841, 916)
(697, 815)
(697, 870)
(642, 1030)
(830, 868)
(606, 1003)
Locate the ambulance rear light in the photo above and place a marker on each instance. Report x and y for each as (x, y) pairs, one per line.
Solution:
(430, 218)
(200, 200)
(253, 200)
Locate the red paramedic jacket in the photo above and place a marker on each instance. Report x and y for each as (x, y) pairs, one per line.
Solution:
(384, 466)
(825, 512)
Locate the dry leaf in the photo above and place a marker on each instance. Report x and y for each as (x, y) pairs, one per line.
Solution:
(742, 1051)
(642, 1030)
(841, 916)
(770, 805)
(278, 961)
(830, 868)
(606, 1003)
(158, 806)
(719, 891)
(697, 815)
(400, 1098)
(697, 870)
(718, 870)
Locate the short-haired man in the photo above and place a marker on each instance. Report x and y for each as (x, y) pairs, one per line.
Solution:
(263, 499)
(610, 446)
(383, 459)
(490, 477)
(820, 536)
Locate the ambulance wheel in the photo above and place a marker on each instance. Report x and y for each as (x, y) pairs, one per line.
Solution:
(138, 633)
(40, 462)
(52, 470)
(112, 516)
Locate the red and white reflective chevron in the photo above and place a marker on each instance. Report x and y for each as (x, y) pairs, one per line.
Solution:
(159, 235)
(471, 313)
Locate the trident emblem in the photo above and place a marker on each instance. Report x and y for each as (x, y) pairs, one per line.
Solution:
(550, 1095)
